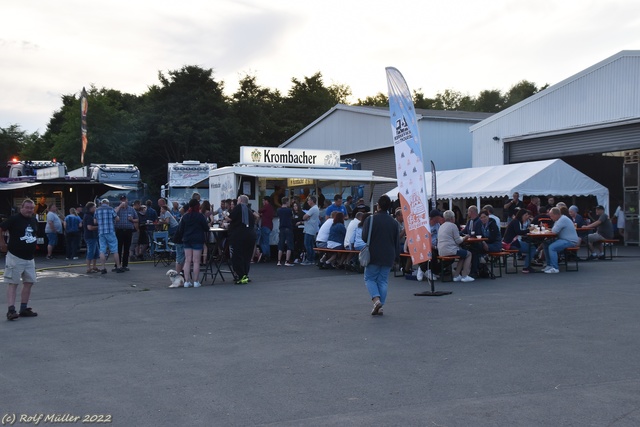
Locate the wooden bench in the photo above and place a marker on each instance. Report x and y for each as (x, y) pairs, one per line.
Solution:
(568, 253)
(514, 254)
(447, 266)
(339, 251)
(608, 243)
(499, 257)
(398, 269)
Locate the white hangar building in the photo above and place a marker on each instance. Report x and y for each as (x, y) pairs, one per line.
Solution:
(590, 120)
(364, 134)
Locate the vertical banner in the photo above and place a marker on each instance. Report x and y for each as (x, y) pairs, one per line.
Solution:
(84, 106)
(409, 167)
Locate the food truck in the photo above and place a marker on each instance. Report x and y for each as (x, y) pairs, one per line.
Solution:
(183, 179)
(263, 171)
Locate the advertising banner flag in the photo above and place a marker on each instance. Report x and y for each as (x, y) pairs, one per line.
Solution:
(84, 106)
(409, 167)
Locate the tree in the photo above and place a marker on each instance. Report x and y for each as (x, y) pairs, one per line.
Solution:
(308, 99)
(379, 100)
(257, 112)
(453, 100)
(111, 127)
(519, 92)
(489, 101)
(12, 141)
(186, 117)
(420, 101)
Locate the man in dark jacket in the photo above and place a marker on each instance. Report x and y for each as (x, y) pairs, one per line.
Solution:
(384, 247)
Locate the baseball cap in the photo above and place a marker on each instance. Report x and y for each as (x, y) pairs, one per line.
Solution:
(434, 213)
(123, 197)
(600, 207)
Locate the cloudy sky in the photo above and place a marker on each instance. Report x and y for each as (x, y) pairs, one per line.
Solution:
(50, 48)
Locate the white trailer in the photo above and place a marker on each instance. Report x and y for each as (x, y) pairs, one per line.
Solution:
(183, 179)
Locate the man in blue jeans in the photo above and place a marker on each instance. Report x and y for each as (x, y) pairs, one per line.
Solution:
(567, 238)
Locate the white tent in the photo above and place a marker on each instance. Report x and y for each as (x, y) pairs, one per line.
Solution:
(546, 177)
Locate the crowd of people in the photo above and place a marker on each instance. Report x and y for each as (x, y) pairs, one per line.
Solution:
(450, 236)
(304, 224)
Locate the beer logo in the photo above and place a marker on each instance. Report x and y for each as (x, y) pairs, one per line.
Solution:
(256, 156)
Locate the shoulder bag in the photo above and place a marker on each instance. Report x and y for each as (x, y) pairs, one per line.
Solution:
(364, 257)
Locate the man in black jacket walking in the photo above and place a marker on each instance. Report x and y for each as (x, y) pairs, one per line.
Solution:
(384, 248)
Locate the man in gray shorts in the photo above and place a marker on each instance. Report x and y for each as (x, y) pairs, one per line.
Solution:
(20, 264)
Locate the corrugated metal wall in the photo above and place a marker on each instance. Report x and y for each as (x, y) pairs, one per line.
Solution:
(383, 162)
(347, 131)
(605, 93)
(589, 142)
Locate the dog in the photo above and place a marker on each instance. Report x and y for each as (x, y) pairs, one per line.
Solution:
(177, 280)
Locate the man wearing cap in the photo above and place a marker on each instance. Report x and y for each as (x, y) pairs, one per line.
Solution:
(125, 225)
(104, 219)
(361, 207)
(336, 206)
(604, 231)
(435, 220)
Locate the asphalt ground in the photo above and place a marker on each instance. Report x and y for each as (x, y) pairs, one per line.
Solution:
(298, 347)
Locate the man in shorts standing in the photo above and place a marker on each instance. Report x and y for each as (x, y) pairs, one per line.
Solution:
(20, 264)
(104, 218)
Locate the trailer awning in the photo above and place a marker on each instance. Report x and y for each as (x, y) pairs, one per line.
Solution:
(347, 177)
(4, 186)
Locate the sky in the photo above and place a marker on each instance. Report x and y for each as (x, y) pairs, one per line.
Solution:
(54, 48)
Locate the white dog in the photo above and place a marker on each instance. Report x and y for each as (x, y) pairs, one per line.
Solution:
(177, 280)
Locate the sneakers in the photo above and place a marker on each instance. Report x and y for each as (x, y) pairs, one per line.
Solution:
(528, 270)
(196, 284)
(243, 280)
(103, 271)
(288, 264)
(376, 308)
(305, 262)
(188, 284)
(552, 270)
(49, 257)
(279, 264)
(458, 278)
(12, 315)
(75, 257)
(467, 279)
(28, 312)
(380, 313)
(420, 275)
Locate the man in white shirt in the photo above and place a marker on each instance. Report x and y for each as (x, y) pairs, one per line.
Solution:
(311, 220)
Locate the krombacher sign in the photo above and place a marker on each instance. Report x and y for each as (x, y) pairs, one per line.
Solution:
(269, 156)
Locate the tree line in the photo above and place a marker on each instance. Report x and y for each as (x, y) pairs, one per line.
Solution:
(187, 116)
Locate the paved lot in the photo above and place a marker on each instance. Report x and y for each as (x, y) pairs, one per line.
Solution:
(297, 347)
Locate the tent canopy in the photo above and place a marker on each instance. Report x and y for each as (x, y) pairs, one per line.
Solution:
(547, 177)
